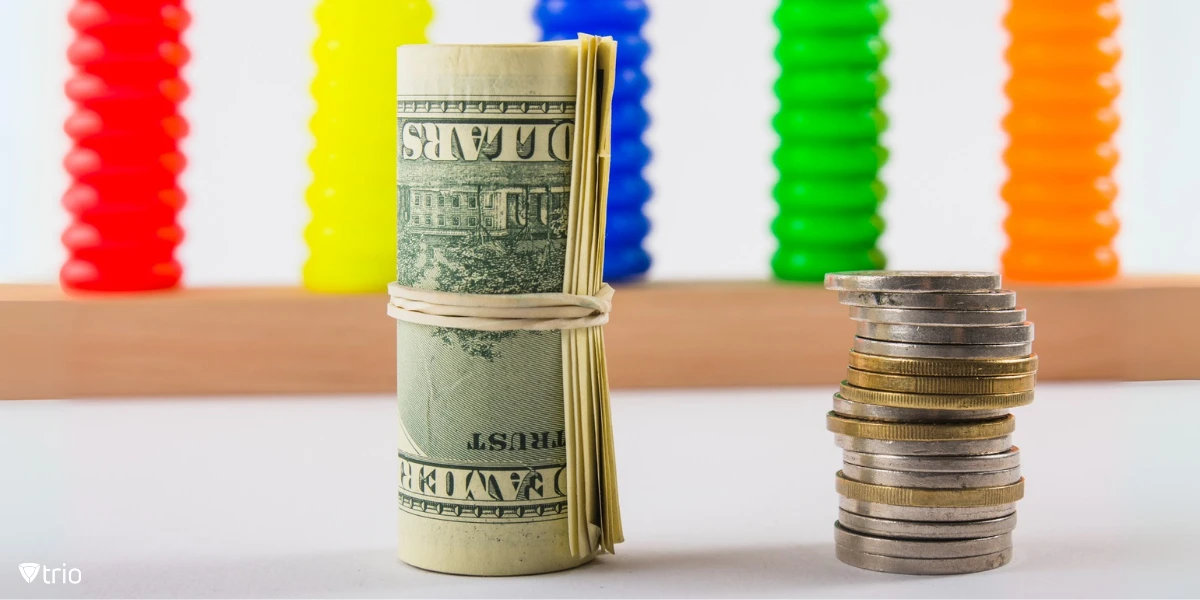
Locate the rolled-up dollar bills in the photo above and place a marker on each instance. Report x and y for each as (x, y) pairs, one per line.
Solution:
(506, 457)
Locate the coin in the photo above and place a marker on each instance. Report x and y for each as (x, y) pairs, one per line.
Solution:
(901, 548)
(921, 432)
(918, 566)
(876, 412)
(927, 529)
(995, 300)
(928, 479)
(937, 464)
(1021, 333)
(937, 317)
(944, 514)
(943, 367)
(959, 351)
(903, 496)
(917, 384)
(913, 281)
(936, 401)
(906, 448)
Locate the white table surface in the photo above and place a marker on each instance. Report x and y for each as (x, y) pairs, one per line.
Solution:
(725, 494)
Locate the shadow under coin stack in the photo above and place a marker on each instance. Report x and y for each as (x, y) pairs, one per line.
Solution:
(930, 478)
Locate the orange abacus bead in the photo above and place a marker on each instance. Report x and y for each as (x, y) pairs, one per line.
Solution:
(1060, 154)
(1080, 194)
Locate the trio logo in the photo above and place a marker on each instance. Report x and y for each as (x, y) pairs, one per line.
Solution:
(56, 575)
(29, 571)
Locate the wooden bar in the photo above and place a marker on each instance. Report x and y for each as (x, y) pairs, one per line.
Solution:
(701, 334)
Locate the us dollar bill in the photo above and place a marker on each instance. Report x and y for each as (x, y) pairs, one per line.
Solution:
(488, 163)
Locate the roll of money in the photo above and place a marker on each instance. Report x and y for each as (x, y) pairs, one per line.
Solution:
(506, 461)
(929, 479)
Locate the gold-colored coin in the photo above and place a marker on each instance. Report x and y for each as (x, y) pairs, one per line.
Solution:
(921, 432)
(946, 498)
(999, 384)
(936, 401)
(944, 367)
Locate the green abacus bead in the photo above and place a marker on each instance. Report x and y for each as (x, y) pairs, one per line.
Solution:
(829, 195)
(827, 124)
(824, 16)
(845, 86)
(824, 160)
(812, 264)
(847, 52)
(795, 230)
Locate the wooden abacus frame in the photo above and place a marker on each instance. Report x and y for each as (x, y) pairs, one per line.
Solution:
(662, 335)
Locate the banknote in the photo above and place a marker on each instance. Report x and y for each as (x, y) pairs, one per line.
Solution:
(499, 180)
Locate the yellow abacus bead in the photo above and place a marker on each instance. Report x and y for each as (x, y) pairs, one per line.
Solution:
(352, 235)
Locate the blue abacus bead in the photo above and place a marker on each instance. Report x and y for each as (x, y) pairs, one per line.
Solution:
(627, 193)
(629, 119)
(625, 263)
(571, 14)
(629, 156)
(632, 51)
(627, 227)
(631, 86)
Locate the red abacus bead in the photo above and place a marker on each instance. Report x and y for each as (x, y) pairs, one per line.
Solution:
(125, 159)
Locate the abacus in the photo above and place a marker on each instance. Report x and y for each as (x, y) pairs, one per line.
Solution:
(123, 328)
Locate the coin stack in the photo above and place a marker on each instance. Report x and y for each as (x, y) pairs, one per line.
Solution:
(930, 478)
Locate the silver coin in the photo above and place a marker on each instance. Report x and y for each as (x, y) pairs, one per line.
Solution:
(951, 514)
(997, 300)
(906, 350)
(908, 448)
(918, 566)
(875, 412)
(1021, 333)
(927, 529)
(913, 281)
(938, 317)
(937, 464)
(929, 479)
(901, 548)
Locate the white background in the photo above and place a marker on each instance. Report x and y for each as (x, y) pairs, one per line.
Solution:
(711, 103)
(237, 497)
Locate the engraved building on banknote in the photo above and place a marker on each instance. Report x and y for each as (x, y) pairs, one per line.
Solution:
(508, 211)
